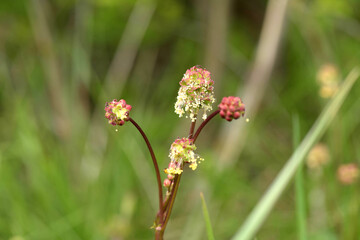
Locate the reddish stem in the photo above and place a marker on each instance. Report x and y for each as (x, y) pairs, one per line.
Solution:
(171, 203)
(192, 128)
(174, 190)
(159, 235)
(204, 123)
(158, 178)
(166, 202)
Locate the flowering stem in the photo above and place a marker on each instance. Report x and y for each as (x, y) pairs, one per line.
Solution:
(158, 178)
(204, 123)
(171, 200)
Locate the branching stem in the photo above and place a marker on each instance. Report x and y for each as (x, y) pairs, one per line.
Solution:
(170, 201)
(204, 123)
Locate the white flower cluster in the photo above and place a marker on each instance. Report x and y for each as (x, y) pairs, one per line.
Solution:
(196, 92)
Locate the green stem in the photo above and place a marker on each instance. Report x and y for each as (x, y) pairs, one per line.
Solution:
(300, 203)
(208, 226)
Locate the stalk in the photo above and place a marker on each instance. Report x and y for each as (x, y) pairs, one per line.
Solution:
(172, 197)
(158, 178)
(204, 123)
(192, 128)
(171, 203)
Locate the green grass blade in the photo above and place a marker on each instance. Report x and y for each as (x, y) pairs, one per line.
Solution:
(300, 203)
(209, 229)
(264, 206)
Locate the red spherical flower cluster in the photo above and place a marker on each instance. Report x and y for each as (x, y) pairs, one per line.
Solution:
(117, 112)
(231, 108)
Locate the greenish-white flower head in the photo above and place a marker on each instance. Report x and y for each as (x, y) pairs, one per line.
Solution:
(196, 92)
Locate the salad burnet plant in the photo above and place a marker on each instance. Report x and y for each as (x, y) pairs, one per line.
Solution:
(196, 94)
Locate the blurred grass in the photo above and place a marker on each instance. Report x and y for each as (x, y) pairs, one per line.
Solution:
(209, 230)
(87, 181)
(300, 204)
(293, 165)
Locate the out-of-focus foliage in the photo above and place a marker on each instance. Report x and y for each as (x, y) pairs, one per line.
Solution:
(67, 174)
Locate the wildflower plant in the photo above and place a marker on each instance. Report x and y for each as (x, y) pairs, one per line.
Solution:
(196, 94)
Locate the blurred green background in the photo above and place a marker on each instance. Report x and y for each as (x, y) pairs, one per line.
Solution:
(65, 173)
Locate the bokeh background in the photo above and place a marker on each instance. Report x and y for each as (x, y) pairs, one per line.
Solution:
(65, 173)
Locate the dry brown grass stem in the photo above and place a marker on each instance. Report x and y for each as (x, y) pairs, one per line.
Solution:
(232, 138)
(49, 58)
(215, 44)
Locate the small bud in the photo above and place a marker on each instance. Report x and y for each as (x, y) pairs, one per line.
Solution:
(222, 113)
(231, 108)
(167, 183)
(117, 112)
(236, 115)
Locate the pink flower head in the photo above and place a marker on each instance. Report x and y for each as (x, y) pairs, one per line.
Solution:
(117, 112)
(181, 152)
(348, 173)
(231, 108)
(196, 92)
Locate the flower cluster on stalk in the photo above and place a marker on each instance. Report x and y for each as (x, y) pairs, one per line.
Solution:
(196, 92)
(181, 152)
(117, 112)
(231, 108)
